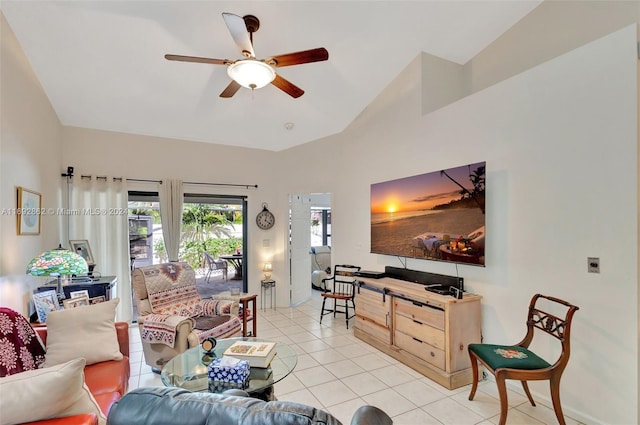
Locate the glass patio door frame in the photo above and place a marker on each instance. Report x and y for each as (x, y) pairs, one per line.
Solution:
(152, 196)
(239, 200)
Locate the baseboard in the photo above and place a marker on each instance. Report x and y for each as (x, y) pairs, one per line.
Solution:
(545, 399)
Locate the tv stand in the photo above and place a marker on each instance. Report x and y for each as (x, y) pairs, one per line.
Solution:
(426, 331)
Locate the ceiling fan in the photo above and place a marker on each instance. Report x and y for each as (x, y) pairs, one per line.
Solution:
(255, 73)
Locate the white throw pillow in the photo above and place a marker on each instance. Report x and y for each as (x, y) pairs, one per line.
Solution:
(87, 332)
(53, 392)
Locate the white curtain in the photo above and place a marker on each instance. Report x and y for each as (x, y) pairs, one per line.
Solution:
(102, 219)
(171, 199)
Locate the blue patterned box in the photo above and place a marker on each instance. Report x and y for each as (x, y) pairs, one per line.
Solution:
(229, 369)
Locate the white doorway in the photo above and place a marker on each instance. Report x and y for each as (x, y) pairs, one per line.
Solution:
(320, 219)
(309, 225)
(299, 245)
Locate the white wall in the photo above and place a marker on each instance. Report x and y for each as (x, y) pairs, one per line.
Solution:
(99, 152)
(563, 143)
(553, 28)
(560, 141)
(30, 153)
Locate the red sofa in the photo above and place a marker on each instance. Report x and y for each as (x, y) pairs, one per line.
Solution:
(107, 381)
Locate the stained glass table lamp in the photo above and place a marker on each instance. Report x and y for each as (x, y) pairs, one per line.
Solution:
(58, 262)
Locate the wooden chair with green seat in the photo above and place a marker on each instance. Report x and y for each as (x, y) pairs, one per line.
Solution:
(518, 362)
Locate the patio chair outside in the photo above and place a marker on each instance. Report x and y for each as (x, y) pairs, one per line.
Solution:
(215, 265)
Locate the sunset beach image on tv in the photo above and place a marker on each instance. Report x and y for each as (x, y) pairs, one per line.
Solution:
(435, 216)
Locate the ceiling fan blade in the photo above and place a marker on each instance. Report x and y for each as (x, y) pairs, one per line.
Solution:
(197, 59)
(297, 58)
(238, 29)
(231, 89)
(287, 87)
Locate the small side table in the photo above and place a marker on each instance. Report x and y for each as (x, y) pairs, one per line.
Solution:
(244, 300)
(268, 285)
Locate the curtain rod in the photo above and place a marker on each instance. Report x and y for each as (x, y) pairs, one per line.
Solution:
(224, 184)
(247, 186)
(85, 176)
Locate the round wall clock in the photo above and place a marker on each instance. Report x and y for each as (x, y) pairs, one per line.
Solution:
(265, 219)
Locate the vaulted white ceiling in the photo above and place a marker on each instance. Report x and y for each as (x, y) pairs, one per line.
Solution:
(101, 63)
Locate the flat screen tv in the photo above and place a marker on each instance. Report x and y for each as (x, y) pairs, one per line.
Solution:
(435, 216)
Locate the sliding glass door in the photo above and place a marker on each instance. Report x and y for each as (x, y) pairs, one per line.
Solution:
(212, 224)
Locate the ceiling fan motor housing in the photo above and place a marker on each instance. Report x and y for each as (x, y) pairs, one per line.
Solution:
(252, 23)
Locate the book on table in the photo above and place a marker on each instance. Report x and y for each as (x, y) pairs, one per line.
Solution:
(258, 354)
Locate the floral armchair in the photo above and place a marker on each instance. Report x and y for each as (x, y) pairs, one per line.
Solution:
(172, 316)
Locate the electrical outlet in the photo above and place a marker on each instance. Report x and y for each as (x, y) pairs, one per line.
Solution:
(593, 265)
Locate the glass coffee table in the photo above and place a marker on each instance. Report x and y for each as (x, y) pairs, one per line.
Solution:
(188, 370)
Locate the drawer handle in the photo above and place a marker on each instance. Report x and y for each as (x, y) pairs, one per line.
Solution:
(417, 303)
(433, 354)
(415, 321)
(416, 339)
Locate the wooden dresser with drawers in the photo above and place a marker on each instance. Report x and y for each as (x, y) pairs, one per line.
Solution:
(426, 331)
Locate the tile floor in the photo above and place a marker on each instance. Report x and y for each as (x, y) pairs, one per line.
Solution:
(338, 373)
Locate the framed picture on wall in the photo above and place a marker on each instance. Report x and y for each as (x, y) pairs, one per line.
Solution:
(82, 248)
(28, 212)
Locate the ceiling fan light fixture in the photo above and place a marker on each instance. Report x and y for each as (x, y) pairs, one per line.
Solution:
(251, 73)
